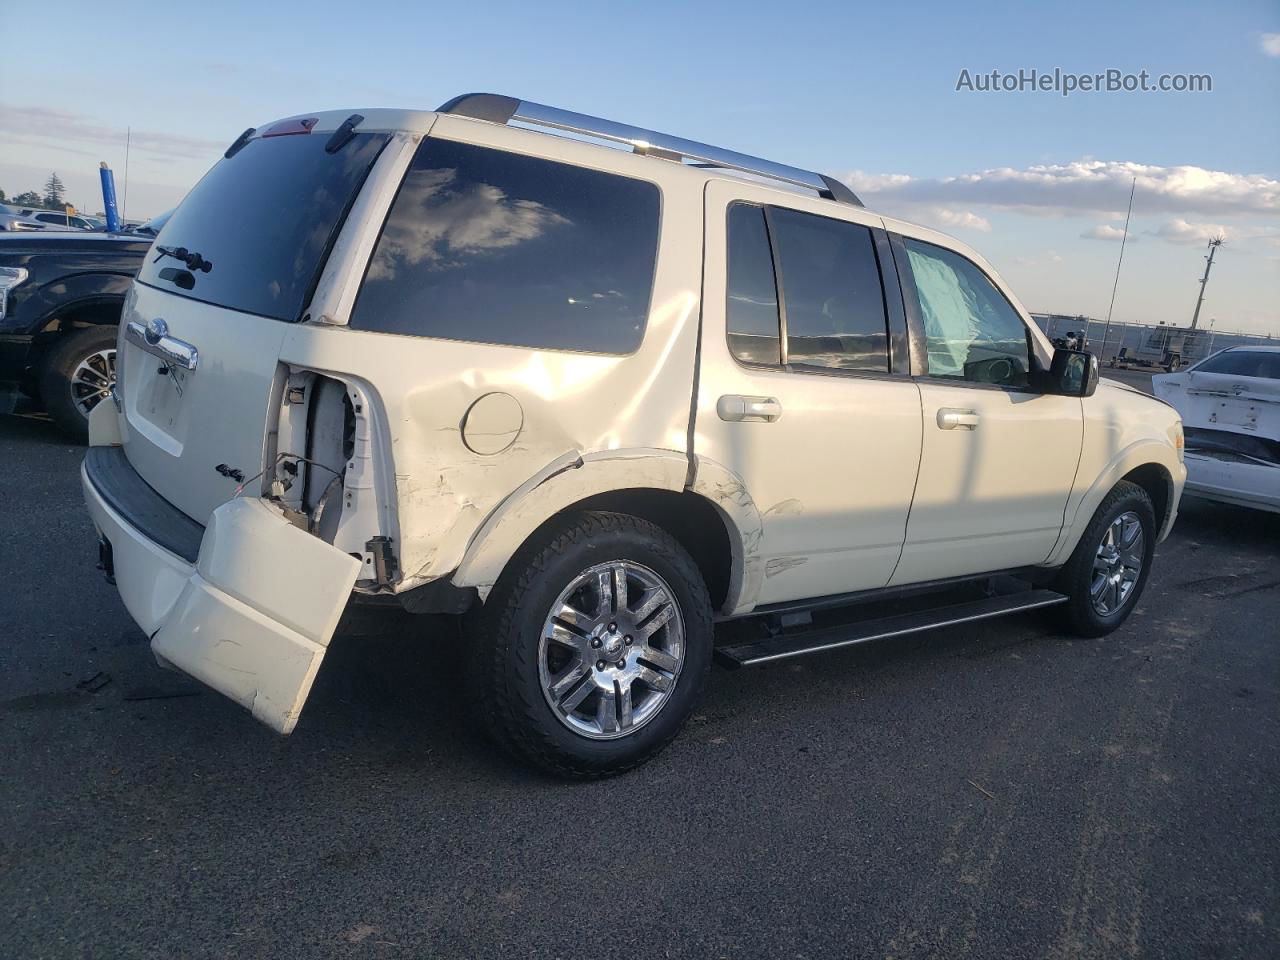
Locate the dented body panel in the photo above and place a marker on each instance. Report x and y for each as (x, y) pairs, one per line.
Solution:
(323, 459)
(1232, 424)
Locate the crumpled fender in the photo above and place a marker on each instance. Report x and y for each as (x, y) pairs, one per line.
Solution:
(572, 478)
(561, 484)
(728, 493)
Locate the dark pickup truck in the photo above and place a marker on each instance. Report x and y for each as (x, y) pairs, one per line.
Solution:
(61, 296)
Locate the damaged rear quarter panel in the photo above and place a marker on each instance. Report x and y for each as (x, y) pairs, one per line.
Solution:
(572, 404)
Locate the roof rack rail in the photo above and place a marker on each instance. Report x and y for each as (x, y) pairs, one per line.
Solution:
(499, 109)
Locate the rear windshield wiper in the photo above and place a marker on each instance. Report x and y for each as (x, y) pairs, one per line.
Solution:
(191, 258)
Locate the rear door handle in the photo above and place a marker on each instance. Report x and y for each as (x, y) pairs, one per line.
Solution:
(950, 418)
(735, 408)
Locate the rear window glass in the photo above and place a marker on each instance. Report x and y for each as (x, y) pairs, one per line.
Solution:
(264, 219)
(496, 247)
(751, 317)
(1244, 363)
(831, 292)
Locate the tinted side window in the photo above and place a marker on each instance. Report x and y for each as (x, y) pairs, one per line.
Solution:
(972, 332)
(496, 247)
(1244, 363)
(751, 315)
(831, 292)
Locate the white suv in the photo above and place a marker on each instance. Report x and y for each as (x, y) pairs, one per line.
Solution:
(595, 400)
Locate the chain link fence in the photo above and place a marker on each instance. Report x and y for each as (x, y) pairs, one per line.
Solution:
(1150, 342)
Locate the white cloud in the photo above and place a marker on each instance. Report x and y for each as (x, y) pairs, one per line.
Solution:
(1048, 258)
(1081, 187)
(1104, 231)
(962, 218)
(1270, 44)
(452, 220)
(75, 132)
(1179, 230)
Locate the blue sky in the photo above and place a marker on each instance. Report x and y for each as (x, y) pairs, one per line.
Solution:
(1036, 181)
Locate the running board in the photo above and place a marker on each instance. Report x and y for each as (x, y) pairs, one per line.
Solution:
(785, 645)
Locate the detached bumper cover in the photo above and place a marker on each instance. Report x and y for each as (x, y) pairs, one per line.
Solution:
(251, 614)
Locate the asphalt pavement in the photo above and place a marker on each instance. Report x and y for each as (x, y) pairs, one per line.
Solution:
(993, 790)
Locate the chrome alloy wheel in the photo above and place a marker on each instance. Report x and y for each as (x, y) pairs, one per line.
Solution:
(92, 380)
(1118, 564)
(611, 650)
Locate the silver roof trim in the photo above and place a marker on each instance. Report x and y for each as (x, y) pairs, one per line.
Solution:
(500, 109)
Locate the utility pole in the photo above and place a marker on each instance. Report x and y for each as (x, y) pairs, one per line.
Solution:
(1214, 244)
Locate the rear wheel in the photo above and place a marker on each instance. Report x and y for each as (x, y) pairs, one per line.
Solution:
(1108, 569)
(594, 646)
(78, 375)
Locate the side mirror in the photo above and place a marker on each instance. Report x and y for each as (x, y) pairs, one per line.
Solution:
(1072, 373)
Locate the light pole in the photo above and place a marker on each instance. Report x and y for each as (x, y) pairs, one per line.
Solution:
(1214, 244)
(1209, 353)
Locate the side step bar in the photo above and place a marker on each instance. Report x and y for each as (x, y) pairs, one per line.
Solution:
(784, 645)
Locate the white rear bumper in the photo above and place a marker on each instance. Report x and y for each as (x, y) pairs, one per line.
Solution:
(1243, 484)
(252, 617)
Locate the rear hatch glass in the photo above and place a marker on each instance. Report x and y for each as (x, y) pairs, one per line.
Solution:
(262, 222)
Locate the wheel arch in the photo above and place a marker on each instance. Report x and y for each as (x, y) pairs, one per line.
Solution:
(647, 484)
(1153, 466)
(89, 297)
(1158, 483)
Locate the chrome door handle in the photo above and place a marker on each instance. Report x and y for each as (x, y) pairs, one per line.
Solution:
(949, 418)
(735, 408)
(154, 339)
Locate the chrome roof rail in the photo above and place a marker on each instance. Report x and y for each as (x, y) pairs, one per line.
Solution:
(499, 109)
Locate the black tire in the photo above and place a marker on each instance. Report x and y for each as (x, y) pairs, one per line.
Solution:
(55, 377)
(506, 634)
(1076, 578)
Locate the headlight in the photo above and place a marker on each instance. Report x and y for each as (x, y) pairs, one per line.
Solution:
(10, 277)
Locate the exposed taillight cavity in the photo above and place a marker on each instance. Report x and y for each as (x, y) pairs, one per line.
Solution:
(289, 128)
(327, 473)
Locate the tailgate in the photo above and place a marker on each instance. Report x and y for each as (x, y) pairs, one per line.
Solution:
(232, 269)
(196, 382)
(1228, 402)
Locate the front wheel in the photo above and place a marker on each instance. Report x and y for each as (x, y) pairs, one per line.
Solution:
(594, 646)
(1108, 569)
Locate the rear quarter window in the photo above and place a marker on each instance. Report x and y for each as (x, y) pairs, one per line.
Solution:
(495, 247)
(1243, 363)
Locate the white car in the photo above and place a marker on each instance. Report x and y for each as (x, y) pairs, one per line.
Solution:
(50, 220)
(596, 400)
(1230, 404)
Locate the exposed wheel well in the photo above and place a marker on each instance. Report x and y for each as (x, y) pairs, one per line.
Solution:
(691, 519)
(1154, 479)
(82, 315)
(94, 312)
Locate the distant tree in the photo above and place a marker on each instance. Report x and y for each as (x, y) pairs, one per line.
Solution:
(28, 199)
(53, 192)
(3, 198)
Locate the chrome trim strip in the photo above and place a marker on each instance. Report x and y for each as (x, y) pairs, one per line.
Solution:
(903, 631)
(499, 109)
(170, 349)
(648, 141)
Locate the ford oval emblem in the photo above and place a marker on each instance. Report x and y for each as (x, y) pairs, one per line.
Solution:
(156, 330)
